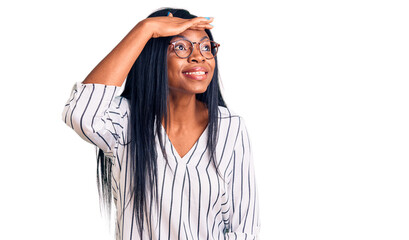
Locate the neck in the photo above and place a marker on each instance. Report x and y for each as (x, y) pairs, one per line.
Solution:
(184, 111)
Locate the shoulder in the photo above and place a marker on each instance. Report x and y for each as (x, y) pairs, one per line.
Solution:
(227, 113)
(228, 117)
(232, 128)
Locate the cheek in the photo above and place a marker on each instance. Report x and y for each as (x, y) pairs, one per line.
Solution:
(170, 65)
(212, 65)
(173, 70)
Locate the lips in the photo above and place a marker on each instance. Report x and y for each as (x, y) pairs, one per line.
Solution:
(196, 73)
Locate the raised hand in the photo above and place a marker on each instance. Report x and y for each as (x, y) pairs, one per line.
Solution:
(170, 26)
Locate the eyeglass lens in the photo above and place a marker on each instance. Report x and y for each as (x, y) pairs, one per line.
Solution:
(183, 48)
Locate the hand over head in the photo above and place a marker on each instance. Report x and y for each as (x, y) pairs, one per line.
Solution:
(171, 26)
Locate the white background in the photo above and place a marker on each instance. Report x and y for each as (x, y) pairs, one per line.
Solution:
(323, 87)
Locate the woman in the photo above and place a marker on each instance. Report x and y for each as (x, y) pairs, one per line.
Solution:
(175, 159)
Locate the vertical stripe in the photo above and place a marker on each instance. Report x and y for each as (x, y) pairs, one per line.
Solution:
(227, 136)
(218, 193)
(241, 180)
(200, 192)
(190, 199)
(112, 97)
(181, 206)
(210, 198)
(82, 116)
(103, 139)
(118, 160)
(214, 221)
(96, 111)
(254, 207)
(171, 199)
(248, 206)
(72, 112)
(184, 227)
(161, 200)
(229, 210)
(123, 206)
(233, 179)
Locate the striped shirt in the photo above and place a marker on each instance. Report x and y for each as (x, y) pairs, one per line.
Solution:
(194, 202)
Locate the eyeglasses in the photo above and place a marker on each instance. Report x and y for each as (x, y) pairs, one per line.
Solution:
(184, 48)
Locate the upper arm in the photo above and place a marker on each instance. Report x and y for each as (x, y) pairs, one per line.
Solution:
(97, 115)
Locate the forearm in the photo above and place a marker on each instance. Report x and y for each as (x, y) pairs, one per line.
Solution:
(114, 68)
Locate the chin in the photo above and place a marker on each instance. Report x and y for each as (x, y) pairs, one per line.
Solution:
(189, 90)
(199, 90)
(202, 89)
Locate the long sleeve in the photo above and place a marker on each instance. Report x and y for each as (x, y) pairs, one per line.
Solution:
(97, 115)
(244, 208)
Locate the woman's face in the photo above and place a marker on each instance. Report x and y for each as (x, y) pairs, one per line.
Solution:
(193, 74)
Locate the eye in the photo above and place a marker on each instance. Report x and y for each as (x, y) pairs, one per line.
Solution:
(180, 47)
(206, 47)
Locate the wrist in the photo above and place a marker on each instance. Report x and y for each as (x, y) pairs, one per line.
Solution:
(145, 28)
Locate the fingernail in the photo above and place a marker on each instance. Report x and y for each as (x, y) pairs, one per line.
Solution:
(168, 14)
(207, 18)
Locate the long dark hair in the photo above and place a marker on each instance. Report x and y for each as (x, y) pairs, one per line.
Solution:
(146, 89)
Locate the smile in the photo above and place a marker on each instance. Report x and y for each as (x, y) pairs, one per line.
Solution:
(194, 73)
(198, 75)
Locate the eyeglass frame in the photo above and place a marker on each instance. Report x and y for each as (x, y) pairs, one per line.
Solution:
(193, 45)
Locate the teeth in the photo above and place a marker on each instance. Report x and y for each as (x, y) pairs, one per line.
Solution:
(194, 73)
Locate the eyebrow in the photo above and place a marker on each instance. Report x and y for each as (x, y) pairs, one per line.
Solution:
(183, 37)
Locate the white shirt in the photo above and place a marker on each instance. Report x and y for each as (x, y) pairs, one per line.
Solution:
(194, 202)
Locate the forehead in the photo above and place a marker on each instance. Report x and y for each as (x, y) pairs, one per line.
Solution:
(192, 35)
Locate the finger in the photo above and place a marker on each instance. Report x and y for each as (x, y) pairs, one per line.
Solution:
(198, 23)
(201, 20)
(208, 19)
(170, 14)
(201, 28)
(206, 25)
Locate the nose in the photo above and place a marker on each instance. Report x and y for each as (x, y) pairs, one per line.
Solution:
(196, 55)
